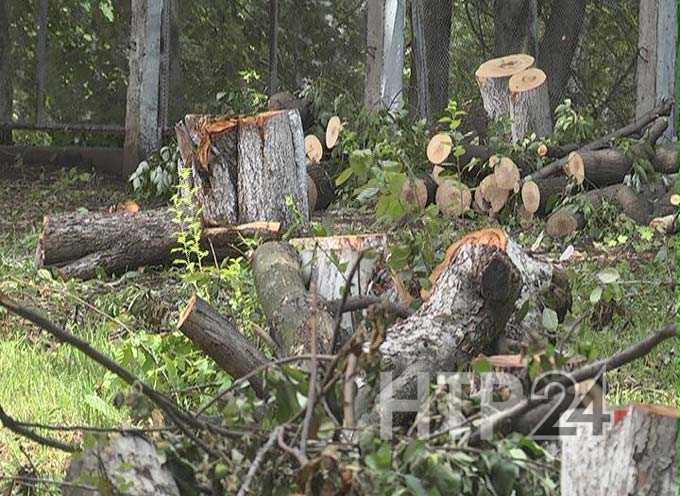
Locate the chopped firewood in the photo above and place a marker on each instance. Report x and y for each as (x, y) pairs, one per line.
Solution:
(506, 172)
(575, 168)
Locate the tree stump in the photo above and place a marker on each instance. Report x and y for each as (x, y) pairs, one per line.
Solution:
(327, 262)
(636, 454)
(530, 104)
(245, 168)
(493, 79)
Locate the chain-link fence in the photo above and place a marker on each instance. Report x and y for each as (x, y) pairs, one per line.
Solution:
(68, 60)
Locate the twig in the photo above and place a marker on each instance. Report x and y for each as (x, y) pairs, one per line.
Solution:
(348, 393)
(264, 336)
(545, 393)
(259, 457)
(302, 459)
(87, 428)
(17, 428)
(355, 303)
(345, 294)
(311, 395)
(38, 480)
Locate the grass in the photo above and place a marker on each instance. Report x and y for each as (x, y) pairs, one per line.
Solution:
(44, 382)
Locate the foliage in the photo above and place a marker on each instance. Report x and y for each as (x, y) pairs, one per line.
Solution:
(570, 125)
(157, 175)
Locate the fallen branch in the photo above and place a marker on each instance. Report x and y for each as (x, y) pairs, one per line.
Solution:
(590, 371)
(17, 427)
(356, 303)
(259, 457)
(663, 109)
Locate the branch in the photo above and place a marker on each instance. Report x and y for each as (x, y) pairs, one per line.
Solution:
(62, 335)
(356, 303)
(544, 394)
(345, 294)
(19, 429)
(663, 109)
(273, 437)
(311, 395)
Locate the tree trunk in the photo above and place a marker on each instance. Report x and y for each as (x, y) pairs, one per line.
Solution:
(493, 79)
(221, 340)
(566, 220)
(246, 167)
(558, 46)
(320, 187)
(80, 244)
(636, 454)
(530, 105)
(510, 26)
(484, 279)
(6, 88)
(286, 301)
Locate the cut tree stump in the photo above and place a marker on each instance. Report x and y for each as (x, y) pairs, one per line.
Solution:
(493, 79)
(327, 262)
(530, 104)
(244, 168)
(80, 244)
(220, 339)
(635, 454)
(567, 220)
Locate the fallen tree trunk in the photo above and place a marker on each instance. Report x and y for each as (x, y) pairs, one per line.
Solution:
(320, 187)
(662, 110)
(636, 454)
(484, 279)
(78, 245)
(219, 338)
(568, 220)
(244, 168)
(290, 308)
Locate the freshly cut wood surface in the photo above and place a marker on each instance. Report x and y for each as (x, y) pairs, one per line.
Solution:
(313, 149)
(333, 132)
(439, 148)
(493, 80)
(530, 110)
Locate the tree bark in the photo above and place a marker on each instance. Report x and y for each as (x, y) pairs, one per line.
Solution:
(636, 454)
(77, 245)
(320, 187)
(326, 264)
(6, 87)
(221, 340)
(510, 26)
(286, 301)
(666, 158)
(558, 46)
(530, 105)
(566, 220)
(245, 168)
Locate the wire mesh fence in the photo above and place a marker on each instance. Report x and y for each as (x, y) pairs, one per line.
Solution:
(75, 71)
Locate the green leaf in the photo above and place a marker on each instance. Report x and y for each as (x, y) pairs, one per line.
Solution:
(481, 365)
(415, 485)
(446, 480)
(343, 177)
(381, 460)
(550, 320)
(596, 295)
(503, 475)
(608, 276)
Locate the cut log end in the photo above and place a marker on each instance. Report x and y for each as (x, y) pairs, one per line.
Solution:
(186, 312)
(333, 132)
(439, 148)
(414, 192)
(575, 168)
(453, 198)
(313, 149)
(506, 173)
(531, 197)
(504, 67)
(527, 80)
(562, 223)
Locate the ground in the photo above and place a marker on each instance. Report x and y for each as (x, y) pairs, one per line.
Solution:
(45, 382)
